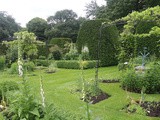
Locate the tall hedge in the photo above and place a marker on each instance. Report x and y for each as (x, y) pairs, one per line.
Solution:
(89, 35)
(133, 44)
(142, 30)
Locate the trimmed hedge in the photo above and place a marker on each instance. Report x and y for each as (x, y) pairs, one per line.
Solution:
(132, 45)
(89, 35)
(74, 64)
(142, 30)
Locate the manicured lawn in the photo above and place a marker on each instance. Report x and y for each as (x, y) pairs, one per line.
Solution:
(60, 90)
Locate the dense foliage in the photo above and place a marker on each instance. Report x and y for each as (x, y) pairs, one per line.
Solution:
(26, 43)
(64, 24)
(119, 8)
(2, 62)
(93, 33)
(27, 66)
(6, 86)
(150, 80)
(8, 26)
(142, 30)
(38, 27)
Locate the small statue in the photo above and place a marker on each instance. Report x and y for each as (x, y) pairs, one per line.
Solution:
(144, 55)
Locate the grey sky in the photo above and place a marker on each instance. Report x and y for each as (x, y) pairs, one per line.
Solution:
(25, 10)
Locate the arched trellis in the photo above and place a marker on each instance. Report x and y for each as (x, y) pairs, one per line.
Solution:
(103, 25)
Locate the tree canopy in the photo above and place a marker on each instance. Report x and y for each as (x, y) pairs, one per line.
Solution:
(120, 8)
(62, 16)
(37, 26)
(63, 24)
(8, 26)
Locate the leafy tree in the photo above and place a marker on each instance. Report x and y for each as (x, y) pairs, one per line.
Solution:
(91, 9)
(26, 42)
(8, 26)
(94, 11)
(38, 26)
(119, 8)
(62, 16)
(64, 24)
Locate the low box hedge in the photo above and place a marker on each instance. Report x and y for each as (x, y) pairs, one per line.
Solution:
(75, 64)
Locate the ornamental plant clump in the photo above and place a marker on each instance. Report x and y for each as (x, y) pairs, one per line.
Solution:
(2, 62)
(72, 54)
(149, 79)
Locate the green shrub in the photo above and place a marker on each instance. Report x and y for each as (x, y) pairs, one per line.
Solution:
(89, 35)
(73, 64)
(14, 68)
(52, 68)
(23, 105)
(132, 81)
(150, 80)
(7, 86)
(2, 62)
(42, 62)
(60, 42)
(42, 57)
(70, 64)
(27, 66)
(72, 54)
(57, 55)
(3, 49)
(43, 50)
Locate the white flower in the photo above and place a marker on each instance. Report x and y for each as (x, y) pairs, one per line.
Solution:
(20, 68)
(126, 63)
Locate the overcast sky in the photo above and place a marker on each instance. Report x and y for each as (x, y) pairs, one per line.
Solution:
(25, 10)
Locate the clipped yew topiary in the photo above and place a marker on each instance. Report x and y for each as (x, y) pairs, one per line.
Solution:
(89, 35)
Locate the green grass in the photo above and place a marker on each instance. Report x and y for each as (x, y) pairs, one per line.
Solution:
(60, 90)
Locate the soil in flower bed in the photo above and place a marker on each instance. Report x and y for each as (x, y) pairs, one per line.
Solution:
(152, 108)
(110, 81)
(98, 98)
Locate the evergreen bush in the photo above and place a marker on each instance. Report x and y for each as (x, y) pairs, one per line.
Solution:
(2, 62)
(60, 42)
(39, 62)
(75, 64)
(7, 86)
(89, 35)
(27, 66)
